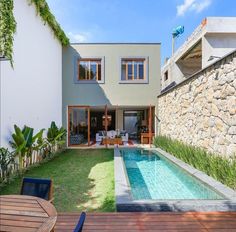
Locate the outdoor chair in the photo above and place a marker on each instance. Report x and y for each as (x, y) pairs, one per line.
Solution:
(79, 226)
(37, 187)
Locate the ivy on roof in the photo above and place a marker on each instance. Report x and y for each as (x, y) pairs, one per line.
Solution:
(7, 29)
(44, 11)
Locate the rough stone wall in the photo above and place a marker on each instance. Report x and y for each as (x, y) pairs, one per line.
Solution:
(201, 111)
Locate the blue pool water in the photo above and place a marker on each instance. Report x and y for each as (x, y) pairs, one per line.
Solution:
(152, 176)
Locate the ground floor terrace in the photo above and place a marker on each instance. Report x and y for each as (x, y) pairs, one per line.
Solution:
(163, 221)
(84, 180)
(102, 126)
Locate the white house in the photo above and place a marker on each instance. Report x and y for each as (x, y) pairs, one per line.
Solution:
(31, 92)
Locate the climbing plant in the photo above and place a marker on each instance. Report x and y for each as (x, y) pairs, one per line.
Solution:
(7, 29)
(8, 25)
(44, 11)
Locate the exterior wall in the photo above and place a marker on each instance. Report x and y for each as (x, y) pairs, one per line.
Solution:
(31, 93)
(218, 36)
(201, 111)
(218, 45)
(111, 92)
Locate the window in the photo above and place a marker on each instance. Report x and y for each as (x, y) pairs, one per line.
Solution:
(89, 70)
(166, 76)
(132, 69)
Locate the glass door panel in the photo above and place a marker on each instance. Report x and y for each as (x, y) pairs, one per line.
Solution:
(78, 128)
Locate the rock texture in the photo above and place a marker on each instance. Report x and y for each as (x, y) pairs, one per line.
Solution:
(202, 110)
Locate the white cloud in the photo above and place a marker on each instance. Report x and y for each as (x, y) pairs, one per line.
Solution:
(79, 37)
(192, 5)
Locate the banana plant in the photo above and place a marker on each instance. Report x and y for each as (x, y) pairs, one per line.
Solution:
(55, 135)
(23, 142)
(40, 145)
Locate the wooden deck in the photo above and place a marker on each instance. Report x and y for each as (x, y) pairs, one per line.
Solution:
(169, 222)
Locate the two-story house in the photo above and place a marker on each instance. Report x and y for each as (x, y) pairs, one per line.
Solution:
(112, 87)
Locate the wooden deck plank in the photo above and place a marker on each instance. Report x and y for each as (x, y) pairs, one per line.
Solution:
(166, 221)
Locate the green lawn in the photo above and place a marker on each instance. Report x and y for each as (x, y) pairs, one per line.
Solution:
(83, 180)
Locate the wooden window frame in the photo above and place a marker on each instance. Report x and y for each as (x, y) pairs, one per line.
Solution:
(71, 107)
(134, 60)
(89, 60)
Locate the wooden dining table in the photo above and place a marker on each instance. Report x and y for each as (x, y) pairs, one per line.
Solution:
(26, 214)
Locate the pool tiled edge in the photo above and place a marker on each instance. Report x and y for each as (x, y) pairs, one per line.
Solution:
(124, 201)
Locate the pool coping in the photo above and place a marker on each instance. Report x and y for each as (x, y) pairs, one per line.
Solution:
(125, 203)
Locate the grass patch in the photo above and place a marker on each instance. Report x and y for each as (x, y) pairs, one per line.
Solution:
(82, 179)
(218, 167)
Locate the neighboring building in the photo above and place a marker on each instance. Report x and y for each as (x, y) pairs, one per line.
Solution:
(31, 92)
(213, 39)
(122, 78)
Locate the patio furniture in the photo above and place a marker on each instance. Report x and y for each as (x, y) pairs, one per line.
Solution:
(145, 137)
(26, 213)
(99, 136)
(37, 187)
(112, 141)
(76, 139)
(79, 226)
(112, 134)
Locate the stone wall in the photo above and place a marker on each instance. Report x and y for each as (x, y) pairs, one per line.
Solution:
(201, 111)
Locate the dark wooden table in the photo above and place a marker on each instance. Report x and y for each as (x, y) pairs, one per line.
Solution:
(25, 214)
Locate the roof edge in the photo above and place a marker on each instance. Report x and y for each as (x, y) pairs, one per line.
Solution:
(44, 11)
(119, 43)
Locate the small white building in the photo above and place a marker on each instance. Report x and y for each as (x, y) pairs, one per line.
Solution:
(214, 38)
(31, 92)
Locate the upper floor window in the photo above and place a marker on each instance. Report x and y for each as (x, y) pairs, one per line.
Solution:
(166, 76)
(133, 69)
(89, 70)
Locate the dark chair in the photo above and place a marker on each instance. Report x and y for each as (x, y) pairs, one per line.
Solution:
(80, 224)
(37, 187)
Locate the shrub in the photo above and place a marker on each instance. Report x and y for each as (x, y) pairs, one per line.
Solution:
(6, 162)
(221, 168)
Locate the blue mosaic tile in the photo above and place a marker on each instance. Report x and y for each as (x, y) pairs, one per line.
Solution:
(151, 176)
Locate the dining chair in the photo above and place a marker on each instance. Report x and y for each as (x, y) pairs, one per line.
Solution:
(37, 187)
(79, 226)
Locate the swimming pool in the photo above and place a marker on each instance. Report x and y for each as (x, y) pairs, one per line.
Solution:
(152, 176)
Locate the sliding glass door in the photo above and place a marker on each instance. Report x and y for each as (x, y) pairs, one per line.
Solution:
(78, 126)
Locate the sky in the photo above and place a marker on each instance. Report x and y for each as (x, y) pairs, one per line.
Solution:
(135, 20)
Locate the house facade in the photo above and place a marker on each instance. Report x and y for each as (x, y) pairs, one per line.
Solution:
(213, 39)
(31, 91)
(109, 86)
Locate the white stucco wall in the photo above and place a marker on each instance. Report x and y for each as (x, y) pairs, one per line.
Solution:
(31, 93)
